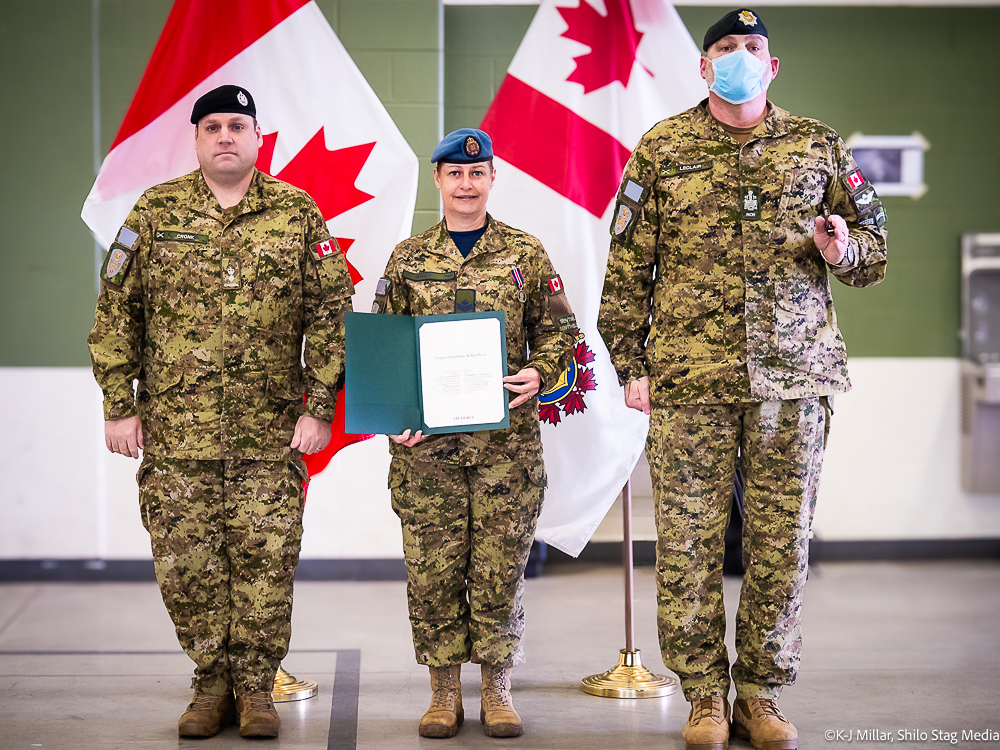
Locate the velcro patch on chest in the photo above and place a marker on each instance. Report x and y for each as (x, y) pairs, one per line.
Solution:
(465, 300)
(749, 202)
(672, 169)
(170, 235)
(429, 275)
(325, 249)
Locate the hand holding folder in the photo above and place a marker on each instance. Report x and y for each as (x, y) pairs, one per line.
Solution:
(434, 373)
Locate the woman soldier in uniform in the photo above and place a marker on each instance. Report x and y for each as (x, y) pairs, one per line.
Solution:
(468, 501)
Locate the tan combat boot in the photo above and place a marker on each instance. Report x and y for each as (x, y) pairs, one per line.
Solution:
(207, 715)
(707, 726)
(258, 717)
(760, 721)
(446, 714)
(497, 713)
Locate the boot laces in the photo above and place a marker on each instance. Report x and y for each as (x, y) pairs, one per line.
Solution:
(499, 691)
(705, 708)
(260, 701)
(767, 707)
(446, 692)
(203, 703)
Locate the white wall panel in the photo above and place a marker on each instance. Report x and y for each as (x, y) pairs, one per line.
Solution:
(892, 472)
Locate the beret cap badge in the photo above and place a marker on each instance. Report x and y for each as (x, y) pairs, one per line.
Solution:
(471, 147)
(748, 18)
(242, 98)
(463, 146)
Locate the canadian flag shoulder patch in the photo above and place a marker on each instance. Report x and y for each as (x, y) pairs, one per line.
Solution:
(325, 249)
(555, 285)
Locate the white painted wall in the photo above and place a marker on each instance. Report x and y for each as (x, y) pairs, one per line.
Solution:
(892, 472)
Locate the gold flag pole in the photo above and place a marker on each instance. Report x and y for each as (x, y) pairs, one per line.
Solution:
(288, 689)
(629, 679)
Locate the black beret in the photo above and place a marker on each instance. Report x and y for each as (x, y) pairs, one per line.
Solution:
(463, 146)
(742, 21)
(226, 98)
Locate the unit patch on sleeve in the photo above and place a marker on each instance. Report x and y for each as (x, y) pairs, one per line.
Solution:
(325, 249)
(866, 201)
(116, 266)
(381, 295)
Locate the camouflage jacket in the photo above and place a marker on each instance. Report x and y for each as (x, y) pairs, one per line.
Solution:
(208, 309)
(509, 270)
(714, 286)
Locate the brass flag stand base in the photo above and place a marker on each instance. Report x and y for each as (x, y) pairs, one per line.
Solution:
(629, 679)
(288, 689)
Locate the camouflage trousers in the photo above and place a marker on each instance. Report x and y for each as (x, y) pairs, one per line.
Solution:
(467, 532)
(225, 538)
(692, 451)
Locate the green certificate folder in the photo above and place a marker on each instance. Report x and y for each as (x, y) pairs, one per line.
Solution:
(434, 373)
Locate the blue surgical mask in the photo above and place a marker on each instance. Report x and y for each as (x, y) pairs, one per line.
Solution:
(739, 77)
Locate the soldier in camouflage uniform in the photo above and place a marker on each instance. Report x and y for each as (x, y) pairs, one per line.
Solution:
(207, 293)
(718, 315)
(468, 502)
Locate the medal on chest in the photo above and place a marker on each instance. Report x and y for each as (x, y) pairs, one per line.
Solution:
(518, 277)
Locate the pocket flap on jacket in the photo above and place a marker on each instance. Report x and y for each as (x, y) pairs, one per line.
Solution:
(692, 300)
(156, 380)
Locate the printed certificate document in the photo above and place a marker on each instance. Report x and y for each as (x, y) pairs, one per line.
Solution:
(435, 373)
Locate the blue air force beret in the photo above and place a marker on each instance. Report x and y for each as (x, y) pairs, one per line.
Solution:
(226, 98)
(742, 21)
(463, 146)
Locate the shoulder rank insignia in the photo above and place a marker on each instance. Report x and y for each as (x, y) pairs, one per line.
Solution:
(325, 249)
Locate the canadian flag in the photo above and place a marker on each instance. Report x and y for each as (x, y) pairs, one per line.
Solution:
(325, 131)
(590, 77)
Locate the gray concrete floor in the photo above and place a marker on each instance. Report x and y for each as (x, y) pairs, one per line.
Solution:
(902, 649)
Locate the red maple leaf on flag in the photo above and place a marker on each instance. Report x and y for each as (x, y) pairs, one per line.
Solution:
(328, 176)
(613, 40)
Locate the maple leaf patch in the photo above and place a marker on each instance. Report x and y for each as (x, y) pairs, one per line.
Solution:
(613, 41)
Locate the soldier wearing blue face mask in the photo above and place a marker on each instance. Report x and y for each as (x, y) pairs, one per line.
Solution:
(719, 319)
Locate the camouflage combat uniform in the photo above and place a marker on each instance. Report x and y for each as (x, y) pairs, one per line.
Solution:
(208, 308)
(716, 291)
(468, 501)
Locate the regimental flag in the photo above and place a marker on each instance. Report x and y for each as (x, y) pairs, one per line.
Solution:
(325, 131)
(590, 77)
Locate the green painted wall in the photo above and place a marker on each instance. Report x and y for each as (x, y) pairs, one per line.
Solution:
(878, 71)
(881, 71)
